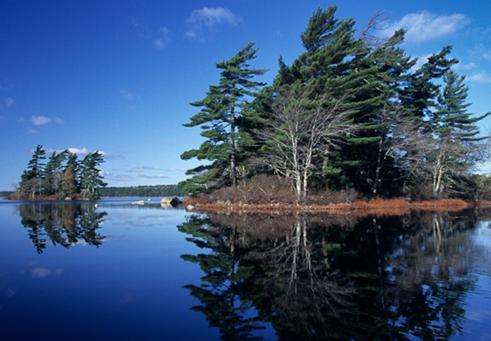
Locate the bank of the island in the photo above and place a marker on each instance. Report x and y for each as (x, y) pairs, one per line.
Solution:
(375, 207)
(352, 119)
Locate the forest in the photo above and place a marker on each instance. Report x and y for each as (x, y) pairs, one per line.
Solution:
(62, 176)
(352, 114)
(141, 191)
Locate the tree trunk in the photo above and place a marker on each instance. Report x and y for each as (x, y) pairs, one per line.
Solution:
(298, 186)
(233, 161)
(377, 169)
(305, 185)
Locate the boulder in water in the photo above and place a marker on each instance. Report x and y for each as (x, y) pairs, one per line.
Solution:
(170, 201)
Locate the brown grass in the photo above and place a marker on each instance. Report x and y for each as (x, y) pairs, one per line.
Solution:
(378, 207)
(484, 204)
(54, 197)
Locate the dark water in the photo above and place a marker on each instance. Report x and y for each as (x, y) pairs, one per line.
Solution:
(118, 271)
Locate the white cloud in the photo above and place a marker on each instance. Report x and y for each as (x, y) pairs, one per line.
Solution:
(129, 95)
(464, 66)
(9, 102)
(480, 77)
(40, 272)
(41, 120)
(78, 151)
(421, 60)
(162, 38)
(481, 51)
(425, 26)
(206, 18)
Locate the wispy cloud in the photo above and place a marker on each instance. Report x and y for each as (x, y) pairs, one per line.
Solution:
(481, 51)
(464, 66)
(425, 26)
(9, 102)
(204, 20)
(480, 77)
(42, 120)
(129, 95)
(159, 37)
(138, 173)
(78, 151)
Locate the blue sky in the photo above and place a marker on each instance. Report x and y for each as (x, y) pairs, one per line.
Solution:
(118, 76)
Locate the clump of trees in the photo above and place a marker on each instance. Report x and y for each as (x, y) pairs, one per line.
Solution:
(61, 176)
(352, 111)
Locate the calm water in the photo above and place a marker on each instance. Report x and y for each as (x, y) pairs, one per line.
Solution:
(71, 271)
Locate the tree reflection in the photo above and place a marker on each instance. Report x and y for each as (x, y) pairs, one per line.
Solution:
(314, 277)
(61, 224)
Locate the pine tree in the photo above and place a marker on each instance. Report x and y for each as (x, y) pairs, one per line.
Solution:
(455, 133)
(32, 178)
(53, 173)
(221, 120)
(394, 69)
(90, 176)
(420, 94)
(69, 185)
(337, 67)
(73, 162)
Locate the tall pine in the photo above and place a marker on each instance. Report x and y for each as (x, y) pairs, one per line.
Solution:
(456, 136)
(221, 119)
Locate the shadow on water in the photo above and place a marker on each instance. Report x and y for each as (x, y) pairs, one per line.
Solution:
(63, 224)
(315, 277)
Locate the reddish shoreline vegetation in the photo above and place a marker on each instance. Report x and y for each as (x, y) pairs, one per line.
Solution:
(358, 208)
(272, 194)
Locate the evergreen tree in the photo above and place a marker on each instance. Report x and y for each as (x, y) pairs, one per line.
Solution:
(393, 70)
(420, 94)
(337, 67)
(53, 173)
(455, 133)
(221, 119)
(74, 164)
(69, 185)
(90, 176)
(32, 178)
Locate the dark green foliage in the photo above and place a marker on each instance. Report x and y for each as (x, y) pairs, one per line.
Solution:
(221, 118)
(90, 176)
(62, 177)
(141, 191)
(53, 173)
(403, 116)
(32, 177)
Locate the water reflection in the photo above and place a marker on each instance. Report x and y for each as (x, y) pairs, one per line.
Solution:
(325, 277)
(61, 224)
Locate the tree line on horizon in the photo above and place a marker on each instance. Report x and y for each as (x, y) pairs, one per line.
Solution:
(141, 191)
(63, 176)
(352, 111)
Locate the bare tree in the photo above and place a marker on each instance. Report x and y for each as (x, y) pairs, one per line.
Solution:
(299, 130)
(402, 140)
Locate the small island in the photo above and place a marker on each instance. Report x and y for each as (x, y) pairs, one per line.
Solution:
(62, 177)
(352, 122)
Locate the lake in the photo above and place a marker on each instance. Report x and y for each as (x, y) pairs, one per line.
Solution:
(119, 271)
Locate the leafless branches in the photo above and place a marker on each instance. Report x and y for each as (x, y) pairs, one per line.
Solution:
(300, 129)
